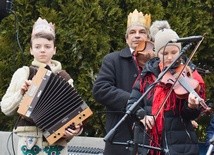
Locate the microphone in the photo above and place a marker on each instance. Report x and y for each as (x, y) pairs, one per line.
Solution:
(186, 39)
(140, 113)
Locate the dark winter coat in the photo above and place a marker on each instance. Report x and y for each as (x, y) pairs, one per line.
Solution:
(178, 137)
(112, 89)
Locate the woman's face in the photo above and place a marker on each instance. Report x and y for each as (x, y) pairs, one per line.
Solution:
(168, 54)
(43, 50)
(135, 34)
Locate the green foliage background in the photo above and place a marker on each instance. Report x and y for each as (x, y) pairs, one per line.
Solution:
(87, 30)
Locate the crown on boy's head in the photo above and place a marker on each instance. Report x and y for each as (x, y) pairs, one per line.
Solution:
(137, 18)
(41, 25)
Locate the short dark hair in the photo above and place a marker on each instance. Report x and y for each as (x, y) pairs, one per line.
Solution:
(47, 36)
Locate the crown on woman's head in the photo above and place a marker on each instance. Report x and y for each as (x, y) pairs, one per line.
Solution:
(137, 18)
(42, 26)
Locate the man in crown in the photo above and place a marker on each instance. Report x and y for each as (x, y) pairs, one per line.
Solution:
(31, 139)
(115, 80)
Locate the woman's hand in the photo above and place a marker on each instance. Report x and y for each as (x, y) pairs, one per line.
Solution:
(25, 86)
(74, 131)
(193, 101)
(148, 122)
(194, 123)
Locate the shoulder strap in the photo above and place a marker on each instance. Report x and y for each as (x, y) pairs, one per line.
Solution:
(33, 70)
(64, 74)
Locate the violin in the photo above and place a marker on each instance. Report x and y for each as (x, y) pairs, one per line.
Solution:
(183, 83)
(144, 52)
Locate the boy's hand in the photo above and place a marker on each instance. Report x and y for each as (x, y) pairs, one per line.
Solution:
(72, 131)
(25, 86)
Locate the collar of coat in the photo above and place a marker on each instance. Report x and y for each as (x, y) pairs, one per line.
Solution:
(126, 53)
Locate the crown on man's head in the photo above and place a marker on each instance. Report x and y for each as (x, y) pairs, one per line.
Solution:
(137, 18)
(42, 26)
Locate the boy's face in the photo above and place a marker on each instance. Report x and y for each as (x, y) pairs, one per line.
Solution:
(43, 50)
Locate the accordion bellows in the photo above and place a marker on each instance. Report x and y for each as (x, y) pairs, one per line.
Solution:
(53, 105)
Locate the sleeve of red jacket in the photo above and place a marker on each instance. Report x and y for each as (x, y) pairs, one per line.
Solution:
(199, 78)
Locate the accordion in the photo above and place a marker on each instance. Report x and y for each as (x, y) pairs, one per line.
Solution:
(53, 105)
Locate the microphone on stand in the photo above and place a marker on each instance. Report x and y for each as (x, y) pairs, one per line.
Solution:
(140, 113)
(187, 39)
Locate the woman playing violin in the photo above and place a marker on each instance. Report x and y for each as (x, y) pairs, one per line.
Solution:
(169, 127)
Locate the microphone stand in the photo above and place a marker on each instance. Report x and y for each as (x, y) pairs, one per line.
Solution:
(110, 135)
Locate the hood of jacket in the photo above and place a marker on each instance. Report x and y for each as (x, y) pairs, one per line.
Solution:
(152, 66)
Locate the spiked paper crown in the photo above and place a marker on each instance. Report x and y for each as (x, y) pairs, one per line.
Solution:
(41, 25)
(137, 18)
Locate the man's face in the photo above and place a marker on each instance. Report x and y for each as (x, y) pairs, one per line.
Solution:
(135, 34)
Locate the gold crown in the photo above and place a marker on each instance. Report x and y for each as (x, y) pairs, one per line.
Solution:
(137, 18)
(41, 25)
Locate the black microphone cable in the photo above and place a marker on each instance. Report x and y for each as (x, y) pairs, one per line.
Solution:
(8, 139)
(9, 9)
(17, 37)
